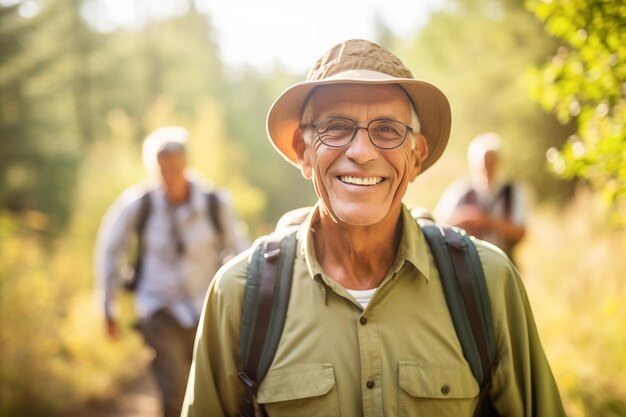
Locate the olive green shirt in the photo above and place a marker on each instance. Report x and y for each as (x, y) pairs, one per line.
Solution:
(398, 357)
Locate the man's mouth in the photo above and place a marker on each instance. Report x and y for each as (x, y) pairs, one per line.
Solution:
(360, 181)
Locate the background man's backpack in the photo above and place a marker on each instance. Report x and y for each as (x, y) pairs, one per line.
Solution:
(133, 277)
(505, 195)
(268, 287)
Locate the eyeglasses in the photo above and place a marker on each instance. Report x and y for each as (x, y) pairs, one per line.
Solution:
(336, 132)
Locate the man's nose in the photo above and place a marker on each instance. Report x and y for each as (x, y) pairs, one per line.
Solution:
(361, 149)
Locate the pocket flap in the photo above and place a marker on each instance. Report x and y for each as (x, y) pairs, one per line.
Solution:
(296, 382)
(437, 381)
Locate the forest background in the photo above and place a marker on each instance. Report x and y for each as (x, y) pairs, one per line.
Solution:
(75, 104)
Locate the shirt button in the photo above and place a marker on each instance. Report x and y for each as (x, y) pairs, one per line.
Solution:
(445, 390)
(363, 320)
(370, 384)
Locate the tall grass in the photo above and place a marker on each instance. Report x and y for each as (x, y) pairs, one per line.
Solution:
(574, 267)
(53, 354)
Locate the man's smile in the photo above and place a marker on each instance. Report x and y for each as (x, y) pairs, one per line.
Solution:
(360, 181)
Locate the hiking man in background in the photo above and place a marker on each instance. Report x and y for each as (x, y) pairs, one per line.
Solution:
(483, 205)
(367, 331)
(184, 234)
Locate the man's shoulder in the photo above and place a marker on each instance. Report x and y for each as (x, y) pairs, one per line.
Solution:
(460, 186)
(231, 277)
(452, 196)
(128, 201)
(497, 266)
(136, 191)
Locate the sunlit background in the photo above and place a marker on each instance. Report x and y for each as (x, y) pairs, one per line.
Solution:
(83, 81)
(262, 33)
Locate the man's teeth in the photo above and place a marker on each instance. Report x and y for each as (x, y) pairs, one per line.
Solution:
(360, 181)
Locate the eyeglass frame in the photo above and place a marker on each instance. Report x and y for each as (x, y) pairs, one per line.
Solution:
(315, 125)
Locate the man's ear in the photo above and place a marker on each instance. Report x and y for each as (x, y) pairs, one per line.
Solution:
(303, 154)
(419, 153)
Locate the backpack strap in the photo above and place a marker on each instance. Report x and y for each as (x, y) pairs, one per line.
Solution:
(507, 195)
(132, 281)
(213, 204)
(268, 286)
(471, 280)
(465, 290)
(266, 298)
(470, 197)
(213, 207)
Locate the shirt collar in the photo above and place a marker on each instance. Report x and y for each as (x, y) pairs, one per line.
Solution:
(413, 247)
(197, 199)
(305, 242)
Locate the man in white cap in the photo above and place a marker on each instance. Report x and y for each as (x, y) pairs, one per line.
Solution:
(367, 330)
(484, 205)
(184, 239)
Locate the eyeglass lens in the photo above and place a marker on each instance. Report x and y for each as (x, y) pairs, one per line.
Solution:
(384, 133)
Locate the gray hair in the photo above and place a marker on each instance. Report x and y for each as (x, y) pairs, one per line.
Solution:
(162, 141)
(479, 147)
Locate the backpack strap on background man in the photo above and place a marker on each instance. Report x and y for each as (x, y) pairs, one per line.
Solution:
(132, 280)
(213, 204)
(266, 298)
(506, 193)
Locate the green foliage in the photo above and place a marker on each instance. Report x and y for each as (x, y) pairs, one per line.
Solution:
(219, 157)
(133, 69)
(52, 356)
(59, 79)
(40, 151)
(478, 53)
(585, 81)
(250, 95)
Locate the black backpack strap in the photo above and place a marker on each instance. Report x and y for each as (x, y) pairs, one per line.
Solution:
(506, 193)
(471, 280)
(132, 282)
(213, 204)
(470, 197)
(465, 290)
(266, 298)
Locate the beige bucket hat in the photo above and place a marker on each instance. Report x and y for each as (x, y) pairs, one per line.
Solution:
(359, 61)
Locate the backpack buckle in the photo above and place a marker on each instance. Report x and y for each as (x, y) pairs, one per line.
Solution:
(272, 254)
(249, 384)
(453, 237)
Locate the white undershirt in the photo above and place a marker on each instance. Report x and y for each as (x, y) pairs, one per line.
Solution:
(363, 297)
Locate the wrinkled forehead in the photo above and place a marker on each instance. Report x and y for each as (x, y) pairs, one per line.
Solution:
(390, 97)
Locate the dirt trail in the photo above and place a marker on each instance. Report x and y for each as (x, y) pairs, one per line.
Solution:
(137, 399)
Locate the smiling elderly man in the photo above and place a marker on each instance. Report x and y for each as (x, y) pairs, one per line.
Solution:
(367, 329)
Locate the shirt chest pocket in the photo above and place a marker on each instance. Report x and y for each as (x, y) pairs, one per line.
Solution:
(300, 390)
(436, 390)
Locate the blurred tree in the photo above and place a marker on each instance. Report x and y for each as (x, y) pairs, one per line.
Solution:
(586, 80)
(59, 78)
(176, 58)
(478, 52)
(247, 101)
(44, 110)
